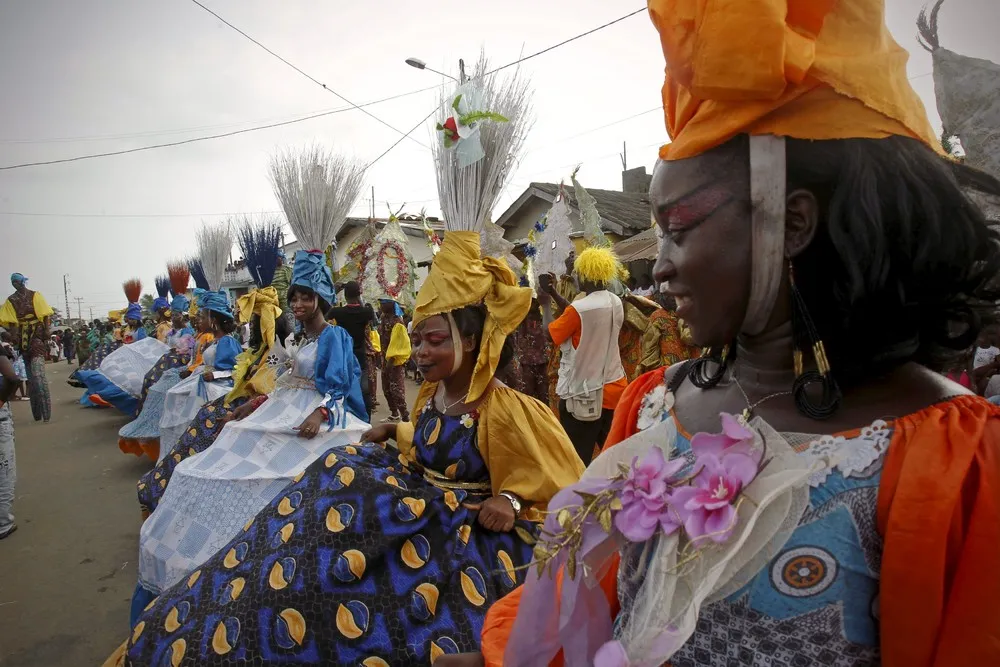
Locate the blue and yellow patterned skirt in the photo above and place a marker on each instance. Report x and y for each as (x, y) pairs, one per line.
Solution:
(358, 562)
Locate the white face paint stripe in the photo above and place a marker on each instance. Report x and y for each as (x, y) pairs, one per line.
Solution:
(456, 343)
(767, 198)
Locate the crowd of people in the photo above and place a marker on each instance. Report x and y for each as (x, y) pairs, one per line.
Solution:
(779, 447)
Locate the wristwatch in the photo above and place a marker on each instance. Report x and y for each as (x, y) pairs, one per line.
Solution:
(514, 502)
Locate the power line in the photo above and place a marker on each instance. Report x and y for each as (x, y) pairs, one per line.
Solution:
(511, 64)
(571, 39)
(305, 74)
(267, 126)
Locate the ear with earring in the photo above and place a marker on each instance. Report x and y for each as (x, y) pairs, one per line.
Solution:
(700, 374)
(806, 340)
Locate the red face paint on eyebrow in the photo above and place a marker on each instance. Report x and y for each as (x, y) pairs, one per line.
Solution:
(696, 208)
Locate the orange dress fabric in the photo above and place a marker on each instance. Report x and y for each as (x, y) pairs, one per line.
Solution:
(151, 448)
(939, 515)
(813, 69)
(568, 326)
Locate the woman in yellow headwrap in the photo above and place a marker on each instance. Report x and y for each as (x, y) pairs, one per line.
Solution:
(820, 247)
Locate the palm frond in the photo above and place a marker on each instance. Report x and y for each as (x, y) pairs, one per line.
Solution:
(468, 194)
(162, 286)
(179, 274)
(927, 27)
(133, 289)
(317, 189)
(214, 244)
(259, 240)
(198, 273)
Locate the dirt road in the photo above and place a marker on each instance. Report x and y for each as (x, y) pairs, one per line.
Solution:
(67, 574)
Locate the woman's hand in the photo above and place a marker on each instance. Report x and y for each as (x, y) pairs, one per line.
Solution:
(310, 427)
(380, 433)
(241, 412)
(207, 376)
(496, 514)
(185, 374)
(460, 660)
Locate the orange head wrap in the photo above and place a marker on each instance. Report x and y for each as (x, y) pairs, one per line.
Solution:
(808, 69)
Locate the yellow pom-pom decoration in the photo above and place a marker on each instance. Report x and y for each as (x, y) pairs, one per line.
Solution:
(597, 265)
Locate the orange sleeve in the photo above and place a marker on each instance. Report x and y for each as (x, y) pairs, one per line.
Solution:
(500, 618)
(566, 326)
(627, 412)
(939, 514)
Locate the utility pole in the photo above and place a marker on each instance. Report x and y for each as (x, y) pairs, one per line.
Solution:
(79, 307)
(91, 314)
(66, 293)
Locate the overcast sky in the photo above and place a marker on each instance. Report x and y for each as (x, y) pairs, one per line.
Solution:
(92, 76)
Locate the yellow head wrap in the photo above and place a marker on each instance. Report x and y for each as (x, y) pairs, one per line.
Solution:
(597, 265)
(808, 69)
(115, 315)
(460, 277)
(263, 303)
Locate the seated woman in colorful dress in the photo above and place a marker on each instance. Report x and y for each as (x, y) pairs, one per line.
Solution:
(255, 372)
(831, 276)
(212, 380)
(141, 436)
(378, 557)
(179, 335)
(180, 338)
(316, 405)
(117, 382)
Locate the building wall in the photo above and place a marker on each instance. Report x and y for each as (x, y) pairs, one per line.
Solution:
(520, 224)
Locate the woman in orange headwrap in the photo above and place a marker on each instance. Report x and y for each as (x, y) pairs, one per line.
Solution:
(820, 247)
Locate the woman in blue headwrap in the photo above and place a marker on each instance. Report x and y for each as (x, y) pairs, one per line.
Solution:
(133, 331)
(317, 404)
(209, 382)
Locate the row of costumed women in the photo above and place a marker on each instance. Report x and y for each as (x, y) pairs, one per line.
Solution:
(279, 526)
(282, 529)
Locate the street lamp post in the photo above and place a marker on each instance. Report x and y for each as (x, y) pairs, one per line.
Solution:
(420, 64)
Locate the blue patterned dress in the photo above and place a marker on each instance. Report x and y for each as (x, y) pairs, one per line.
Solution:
(816, 602)
(172, 359)
(93, 362)
(361, 561)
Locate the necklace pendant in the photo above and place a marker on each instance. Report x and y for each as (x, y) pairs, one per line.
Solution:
(744, 418)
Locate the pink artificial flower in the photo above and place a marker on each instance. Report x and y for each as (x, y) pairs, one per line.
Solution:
(735, 438)
(646, 497)
(708, 504)
(611, 654)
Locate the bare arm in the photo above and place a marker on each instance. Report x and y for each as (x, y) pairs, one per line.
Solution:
(11, 381)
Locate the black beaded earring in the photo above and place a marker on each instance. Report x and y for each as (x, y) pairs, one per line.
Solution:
(699, 374)
(806, 339)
